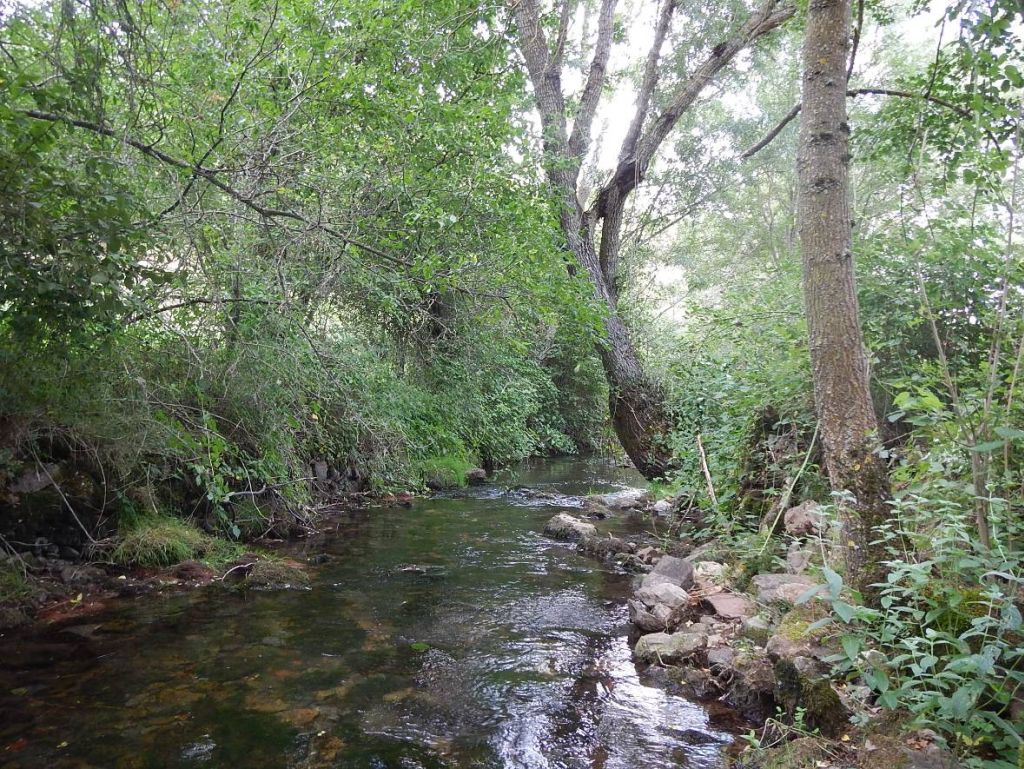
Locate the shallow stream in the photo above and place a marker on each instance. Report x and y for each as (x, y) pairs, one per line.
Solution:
(451, 634)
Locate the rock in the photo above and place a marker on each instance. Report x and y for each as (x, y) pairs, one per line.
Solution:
(649, 554)
(320, 471)
(752, 690)
(476, 476)
(802, 683)
(630, 562)
(661, 507)
(721, 657)
(626, 500)
(781, 588)
(663, 593)
(694, 683)
(804, 519)
(798, 559)
(193, 571)
(730, 605)
(669, 648)
(674, 571)
(649, 619)
(605, 546)
(275, 575)
(564, 526)
(756, 629)
(595, 507)
(709, 571)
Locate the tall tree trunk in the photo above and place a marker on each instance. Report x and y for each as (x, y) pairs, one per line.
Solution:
(839, 363)
(637, 403)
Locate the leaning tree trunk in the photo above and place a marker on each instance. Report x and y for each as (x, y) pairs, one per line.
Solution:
(638, 408)
(839, 363)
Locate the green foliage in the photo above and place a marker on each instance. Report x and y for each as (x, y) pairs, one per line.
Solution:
(14, 586)
(444, 472)
(164, 541)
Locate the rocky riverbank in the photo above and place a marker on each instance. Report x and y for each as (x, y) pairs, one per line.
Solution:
(751, 641)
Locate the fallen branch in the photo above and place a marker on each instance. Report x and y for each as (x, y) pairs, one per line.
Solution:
(707, 472)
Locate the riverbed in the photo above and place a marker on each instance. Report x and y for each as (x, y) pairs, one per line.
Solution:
(449, 634)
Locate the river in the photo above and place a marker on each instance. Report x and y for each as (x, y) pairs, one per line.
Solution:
(451, 634)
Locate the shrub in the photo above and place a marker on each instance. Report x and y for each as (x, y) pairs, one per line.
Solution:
(164, 541)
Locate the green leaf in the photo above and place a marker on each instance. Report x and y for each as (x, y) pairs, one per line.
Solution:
(851, 645)
(987, 447)
(844, 610)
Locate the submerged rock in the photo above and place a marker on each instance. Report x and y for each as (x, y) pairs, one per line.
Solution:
(564, 526)
(275, 575)
(670, 648)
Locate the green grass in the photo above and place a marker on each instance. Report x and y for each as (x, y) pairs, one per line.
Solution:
(13, 585)
(164, 541)
(444, 472)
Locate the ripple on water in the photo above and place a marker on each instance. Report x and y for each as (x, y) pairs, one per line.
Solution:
(449, 636)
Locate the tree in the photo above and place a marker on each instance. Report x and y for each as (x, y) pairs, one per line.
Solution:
(839, 362)
(593, 228)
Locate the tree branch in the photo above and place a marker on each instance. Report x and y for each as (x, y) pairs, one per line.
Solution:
(584, 119)
(631, 170)
(210, 176)
(961, 111)
(649, 82)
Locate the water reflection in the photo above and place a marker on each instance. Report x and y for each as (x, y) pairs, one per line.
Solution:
(448, 635)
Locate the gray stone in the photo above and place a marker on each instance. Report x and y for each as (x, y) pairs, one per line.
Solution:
(752, 690)
(798, 559)
(663, 593)
(721, 656)
(626, 500)
(649, 554)
(756, 629)
(731, 605)
(674, 571)
(781, 588)
(661, 507)
(605, 546)
(669, 648)
(804, 519)
(564, 526)
(476, 476)
(650, 620)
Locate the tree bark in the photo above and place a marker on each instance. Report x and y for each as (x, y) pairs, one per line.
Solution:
(637, 403)
(839, 362)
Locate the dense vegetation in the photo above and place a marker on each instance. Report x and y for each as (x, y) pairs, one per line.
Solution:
(257, 255)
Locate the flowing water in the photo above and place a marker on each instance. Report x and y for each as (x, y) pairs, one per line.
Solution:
(451, 634)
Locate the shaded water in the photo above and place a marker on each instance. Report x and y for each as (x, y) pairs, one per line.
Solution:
(501, 649)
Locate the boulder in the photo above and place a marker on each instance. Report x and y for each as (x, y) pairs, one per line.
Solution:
(756, 629)
(806, 519)
(629, 562)
(476, 476)
(564, 526)
(268, 574)
(629, 499)
(663, 593)
(661, 507)
(803, 683)
(709, 571)
(798, 559)
(721, 657)
(674, 571)
(605, 546)
(670, 648)
(752, 689)
(649, 619)
(595, 507)
(694, 683)
(649, 554)
(781, 588)
(730, 605)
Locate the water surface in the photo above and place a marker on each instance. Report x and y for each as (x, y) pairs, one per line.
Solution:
(452, 634)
